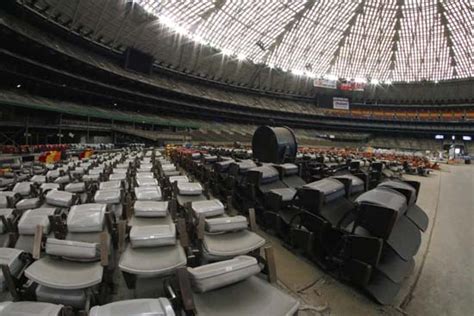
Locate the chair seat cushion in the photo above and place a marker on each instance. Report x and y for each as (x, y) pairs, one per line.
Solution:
(59, 198)
(233, 244)
(73, 298)
(142, 182)
(145, 221)
(287, 194)
(151, 262)
(289, 169)
(27, 204)
(171, 173)
(207, 208)
(148, 193)
(73, 275)
(226, 223)
(31, 218)
(6, 181)
(117, 176)
(53, 174)
(72, 249)
(331, 188)
(91, 177)
(108, 196)
(23, 188)
(252, 296)
(144, 175)
(178, 179)
(269, 174)
(120, 170)
(189, 188)
(137, 307)
(29, 309)
(62, 179)
(168, 167)
(357, 184)
(49, 186)
(38, 179)
(150, 208)
(219, 274)
(152, 236)
(110, 185)
(86, 218)
(77, 187)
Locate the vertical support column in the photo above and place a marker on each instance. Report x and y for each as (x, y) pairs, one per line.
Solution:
(60, 135)
(88, 138)
(27, 125)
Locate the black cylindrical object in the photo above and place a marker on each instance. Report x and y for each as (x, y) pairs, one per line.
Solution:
(274, 144)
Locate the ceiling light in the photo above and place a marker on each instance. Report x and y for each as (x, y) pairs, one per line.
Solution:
(374, 82)
(330, 77)
(227, 52)
(241, 57)
(271, 65)
(18, 86)
(297, 72)
(360, 80)
(388, 82)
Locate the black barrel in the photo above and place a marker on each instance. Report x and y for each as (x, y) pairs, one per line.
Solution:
(274, 144)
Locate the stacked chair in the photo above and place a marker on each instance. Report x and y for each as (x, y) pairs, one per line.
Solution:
(187, 220)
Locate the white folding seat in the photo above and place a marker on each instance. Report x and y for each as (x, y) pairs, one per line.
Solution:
(142, 182)
(173, 179)
(27, 226)
(113, 198)
(23, 188)
(30, 309)
(58, 198)
(78, 265)
(148, 193)
(137, 307)
(232, 287)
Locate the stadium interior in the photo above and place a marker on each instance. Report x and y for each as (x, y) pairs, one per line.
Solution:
(226, 157)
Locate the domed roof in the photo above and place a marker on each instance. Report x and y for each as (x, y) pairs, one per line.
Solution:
(397, 40)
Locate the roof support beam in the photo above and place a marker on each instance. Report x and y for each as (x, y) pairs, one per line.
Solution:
(447, 35)
(347, 32)
(288, 28)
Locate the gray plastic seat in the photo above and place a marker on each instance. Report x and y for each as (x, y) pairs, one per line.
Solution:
(23, 188)
(229, 245)
(150, 208)
(137, 307)
(287, 194)
(74, 275)
(152, 262)
(29, 309)
(331, 188)
(110, 185)
(252, 296)
(143, 182)
(148, 193)
(145, 221)
(26, 204)
(207, 208)
(59, 198)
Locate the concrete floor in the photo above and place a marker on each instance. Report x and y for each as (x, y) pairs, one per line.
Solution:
(442, 281)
